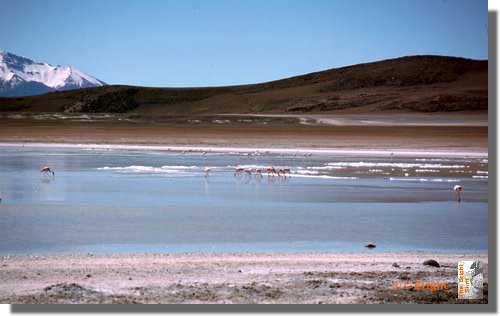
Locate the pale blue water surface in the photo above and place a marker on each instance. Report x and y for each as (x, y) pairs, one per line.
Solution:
(125, 201)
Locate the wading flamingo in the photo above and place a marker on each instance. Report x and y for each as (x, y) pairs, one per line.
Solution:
(259, 172)
(47, 170)
(271, 171)
(238, 171)
(283, 172)
(207, 172)
(458, 192)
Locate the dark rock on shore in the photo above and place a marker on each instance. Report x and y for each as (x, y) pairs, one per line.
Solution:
(431, 262)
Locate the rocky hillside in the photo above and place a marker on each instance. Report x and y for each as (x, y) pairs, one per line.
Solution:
(415, 83)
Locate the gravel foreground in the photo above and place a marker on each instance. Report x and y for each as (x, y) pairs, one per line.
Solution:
(238, 278)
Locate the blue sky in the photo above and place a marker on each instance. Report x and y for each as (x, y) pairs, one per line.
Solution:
(210, 43)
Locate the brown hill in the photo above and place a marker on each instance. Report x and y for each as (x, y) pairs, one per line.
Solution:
(415, 83)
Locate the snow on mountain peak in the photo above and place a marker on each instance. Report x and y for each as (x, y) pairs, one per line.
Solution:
(27, 72)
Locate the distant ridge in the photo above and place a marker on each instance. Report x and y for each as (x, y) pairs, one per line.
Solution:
(21, 76)
(411, 83)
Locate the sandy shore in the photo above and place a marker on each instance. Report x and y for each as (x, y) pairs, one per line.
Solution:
(399, 152)
(385, 119)
(258, 133)
(233, 278)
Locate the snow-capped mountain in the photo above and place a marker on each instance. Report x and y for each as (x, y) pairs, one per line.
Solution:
(21, 76)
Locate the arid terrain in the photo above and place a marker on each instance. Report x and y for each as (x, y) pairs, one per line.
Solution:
(316, 278)
(454, 131)
(419, 103)
(408, 84)
(411, 102)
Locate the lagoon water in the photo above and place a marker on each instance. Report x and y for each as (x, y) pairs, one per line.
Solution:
(130, 201)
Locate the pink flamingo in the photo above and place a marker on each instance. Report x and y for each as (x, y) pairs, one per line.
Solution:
(458, 192)
(271, 171)
(283, 172)
(258, 171)
(238, 171)
(47, 170)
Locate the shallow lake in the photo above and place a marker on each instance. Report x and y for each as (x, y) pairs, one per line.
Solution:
(131, 201)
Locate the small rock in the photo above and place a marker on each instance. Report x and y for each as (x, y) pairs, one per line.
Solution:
(130, 279)
(370, 246)
(408, 268)
(396, 265)
(431, 262)
(88, 276)
(239, 271)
